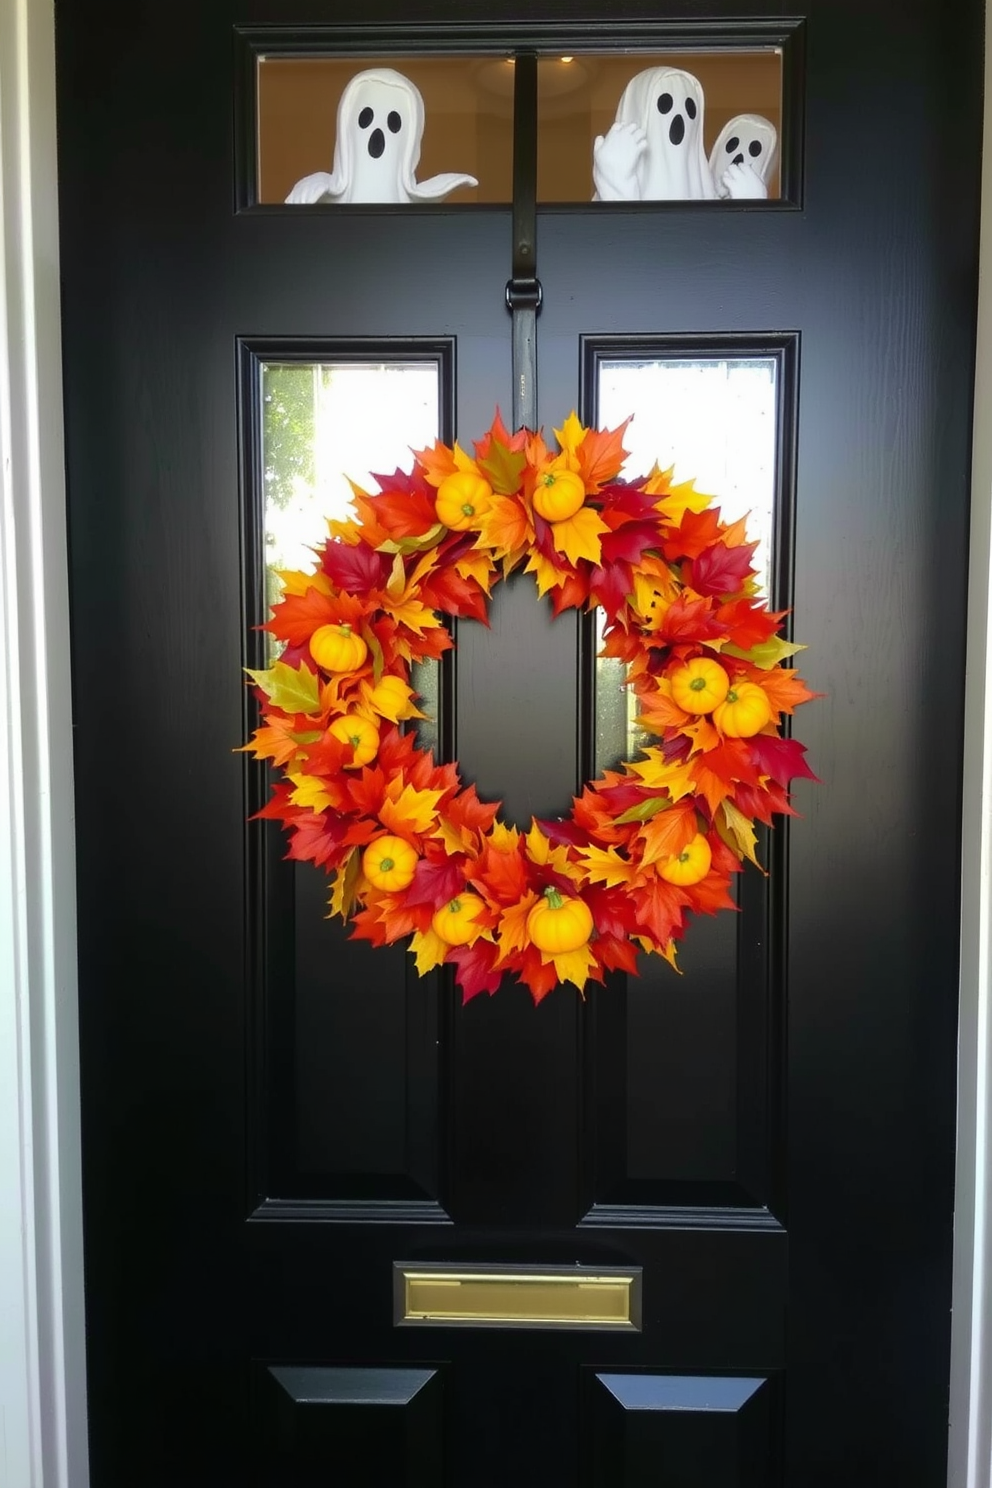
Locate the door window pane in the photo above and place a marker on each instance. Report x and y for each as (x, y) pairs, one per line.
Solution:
(386, 130)
(699, 126)
(325, 424)
(714, 420)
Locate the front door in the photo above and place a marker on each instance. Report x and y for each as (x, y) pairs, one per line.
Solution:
(730, 1191)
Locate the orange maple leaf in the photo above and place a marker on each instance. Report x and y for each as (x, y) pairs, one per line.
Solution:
(601, 455)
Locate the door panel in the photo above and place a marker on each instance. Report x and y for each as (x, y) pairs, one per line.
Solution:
(275, 1116)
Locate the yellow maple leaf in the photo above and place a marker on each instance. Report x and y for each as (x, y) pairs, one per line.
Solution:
(512, 931)
(659, 773)
(737, 831)
(569, 437)
(428, 949)
(606, 866)
(477, 565)
(544, 571)
(408, 810)
(579, 536)
(541, 851)
(309, 792)
(503, 838)
(677, 499)
(411, 613)
(573, 966)
(345, 881)
(294, 582)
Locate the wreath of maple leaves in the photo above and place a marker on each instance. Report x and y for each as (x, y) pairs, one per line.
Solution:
(674, 583)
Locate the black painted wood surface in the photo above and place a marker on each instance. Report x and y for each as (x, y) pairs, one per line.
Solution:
(263, 1140)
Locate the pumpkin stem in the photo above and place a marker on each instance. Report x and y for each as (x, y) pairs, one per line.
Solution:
(455, 905)
(555, 900)
(387, 865)
(345, 628)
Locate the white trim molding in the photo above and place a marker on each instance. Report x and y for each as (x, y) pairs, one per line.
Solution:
(42, 1360)
(970, 1445)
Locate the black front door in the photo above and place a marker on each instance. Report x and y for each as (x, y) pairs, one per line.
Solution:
(284, 1129)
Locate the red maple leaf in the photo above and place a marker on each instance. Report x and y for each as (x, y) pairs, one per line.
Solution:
(688, 620)
(659, 910)
(467, 812)
(535, 975)
(297, 616)
(782, 759)
(748, 623)
(317, 837)
(404, 512)
(696, 531)
(609, 585)
(358, 569)
(436, 882)
(569, 596)
(614, 954)
(475, 972)
(443, 589)
(721, 570)
(502, 875)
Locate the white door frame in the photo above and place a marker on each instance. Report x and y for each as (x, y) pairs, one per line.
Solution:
(42, 1363)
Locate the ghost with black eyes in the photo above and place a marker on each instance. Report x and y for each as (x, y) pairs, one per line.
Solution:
(654, 149)
(380, 125)
(743, 157)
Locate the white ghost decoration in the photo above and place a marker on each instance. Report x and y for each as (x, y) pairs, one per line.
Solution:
(654, 150)
(743, 158)
(380, 125)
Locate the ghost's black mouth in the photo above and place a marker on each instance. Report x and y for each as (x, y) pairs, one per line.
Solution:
(377, 143)
(676, 130)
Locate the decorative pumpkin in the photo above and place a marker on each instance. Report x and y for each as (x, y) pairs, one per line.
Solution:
(558, 495)
(455, 923)
(337, 648)
(691, 865)
(558, 923)
(700, 686)
(389, 863)
(361, 733)
(461, 499)
(413, 853)
(745, 711)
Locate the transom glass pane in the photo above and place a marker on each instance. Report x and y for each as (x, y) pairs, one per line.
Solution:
(385, 130)
(713, 420)
(640, 127)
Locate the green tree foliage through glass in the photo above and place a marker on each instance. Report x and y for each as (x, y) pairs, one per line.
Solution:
(288, 438)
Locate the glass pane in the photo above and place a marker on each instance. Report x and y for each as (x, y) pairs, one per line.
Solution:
(323, 424)
(402, 130)
(700, 126)
(714, 420)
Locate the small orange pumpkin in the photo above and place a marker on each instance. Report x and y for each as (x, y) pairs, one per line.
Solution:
(558, 495)
(700, 685)
(337, 648)
(690, 865)
(462, 498)
(558, 923)
(745, 711)
(455, 922)
(389, 863)
(361, 733)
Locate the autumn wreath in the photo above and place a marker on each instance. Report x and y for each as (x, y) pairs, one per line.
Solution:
(413, 851)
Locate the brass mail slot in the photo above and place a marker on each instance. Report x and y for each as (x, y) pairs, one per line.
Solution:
(517, 1297)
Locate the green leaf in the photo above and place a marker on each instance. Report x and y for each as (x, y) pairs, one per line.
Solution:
(766, 654)
(644, 810)
(405, 545)
(378, 660)
(503, 468)
(290, 689)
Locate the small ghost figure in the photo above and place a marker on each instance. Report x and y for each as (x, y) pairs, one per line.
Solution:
(380, 125)
(743, 157)
(654, 149)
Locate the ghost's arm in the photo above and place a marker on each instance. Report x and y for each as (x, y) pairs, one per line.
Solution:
(742, 183)
(314, 189)
(615, 158)
(438, 186)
